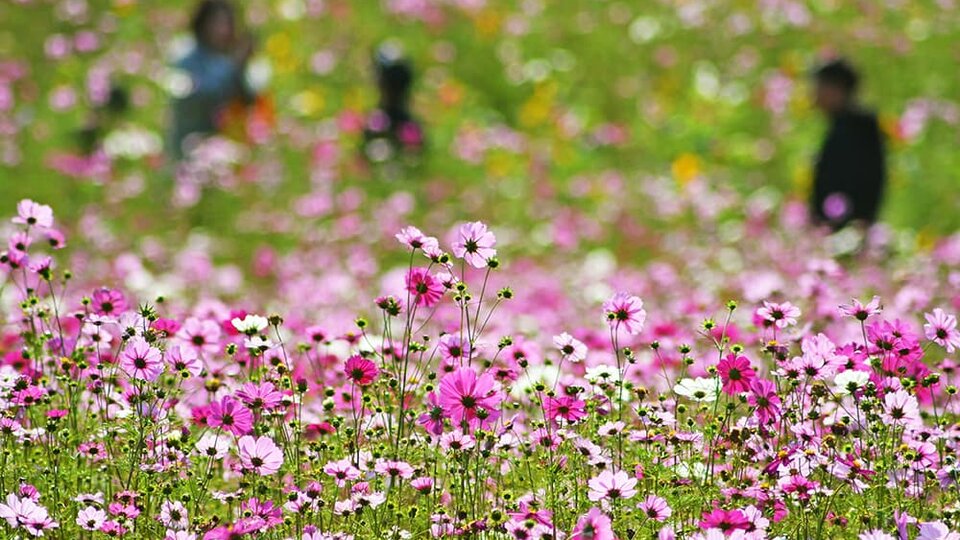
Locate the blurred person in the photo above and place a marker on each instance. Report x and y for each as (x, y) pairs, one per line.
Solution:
(102, 119)
(216, 66)
(391, 128)
(850, 171)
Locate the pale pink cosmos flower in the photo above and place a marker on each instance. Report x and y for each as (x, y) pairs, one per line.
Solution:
(655, 508)
(91, 518)
(941, 328)
(624, 310)
(593, 525)
(611, 486)
(859, 311)
(901, 408)
(141, 361)
(341, 471)
(33, 214)
(260, 455)
(572, 349)
(414, 239)
(474, 244)
(780, 315)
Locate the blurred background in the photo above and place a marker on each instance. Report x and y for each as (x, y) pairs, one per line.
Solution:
(534, 113)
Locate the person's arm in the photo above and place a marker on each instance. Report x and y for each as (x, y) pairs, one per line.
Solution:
(873, 173)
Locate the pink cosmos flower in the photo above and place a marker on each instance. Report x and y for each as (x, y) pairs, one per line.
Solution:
(27, 514)
(183, 359)
(425, 289)
(341, 471)
(593, 525)
(414, 239)
(230, 415)
(33, 214)
(942, 330)
(432, 420)
(764, 399)
(394, 469)
(780, 315)
(141, 361)
(360, 370)
(725, 520)
(610, 486)
(568, 408)
(936, 530)
(91, 519)
(860, 311)
(901, 408)
(736, 374)
(202, 335)
(465, 397)
(655, 508)
(108, 302)
(454, 349)
(875, 534)
(173, 515)
(474, 244)
(263, 396)
(572, 349)
(624, 310)
(260, 455)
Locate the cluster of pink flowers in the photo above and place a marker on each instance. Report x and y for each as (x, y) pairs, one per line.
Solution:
(206, 422)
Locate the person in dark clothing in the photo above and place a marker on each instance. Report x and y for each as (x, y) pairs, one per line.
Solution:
(850, 172)
(392, 122)
(216, 66)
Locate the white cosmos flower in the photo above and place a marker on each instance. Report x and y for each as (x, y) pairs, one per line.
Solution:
(699, 389)
(251, 324)
(850, 380)
(602, 373)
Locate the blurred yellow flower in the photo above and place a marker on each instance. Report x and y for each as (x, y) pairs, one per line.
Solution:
(802, 179)
(487, 22)
(451, 92)
(308, 102)
(685, 168)
(278, 46)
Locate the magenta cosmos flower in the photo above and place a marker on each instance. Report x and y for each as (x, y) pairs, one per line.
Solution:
(593, 525)
(474, 244)
(942, 329)
(360, 370)
(725, 520)
(624, 310)
(736, 374)
(425, 289)
(260, 455)
(611, 486)
(465, 397)
(141, 361)
(860, 311)
(568, 408)
(763, 397)
(230, 415)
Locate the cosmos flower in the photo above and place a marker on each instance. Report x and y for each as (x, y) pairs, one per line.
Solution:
(474, 244)
(466, 397)
(779, 315)
(571, 348)
(655, 508)
(230, 415)
(736, 373)
(260, 455)
(141, 361)
(425, 289)
(610, 486)
(33, 214)
(625, 311)
(360, 371)
(699, 389)
(594, 525)
(941, 328)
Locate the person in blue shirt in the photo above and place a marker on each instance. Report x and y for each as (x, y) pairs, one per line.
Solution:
(216, 66)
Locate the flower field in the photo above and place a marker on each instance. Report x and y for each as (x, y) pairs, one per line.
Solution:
(592, 309)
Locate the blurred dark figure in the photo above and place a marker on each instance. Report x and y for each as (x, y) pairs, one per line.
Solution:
(850, 173)
(217, 67)
(391, 127)
(102, 119)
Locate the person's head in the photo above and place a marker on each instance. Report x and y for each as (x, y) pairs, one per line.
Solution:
(394, 75)
(214, 24)
(836, 86)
